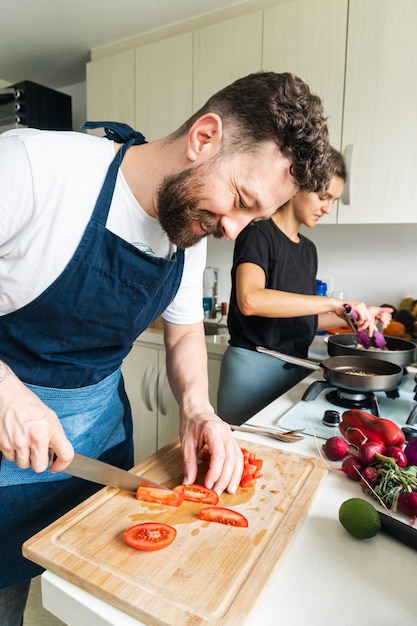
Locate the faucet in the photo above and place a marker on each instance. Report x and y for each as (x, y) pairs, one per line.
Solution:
(216, 308)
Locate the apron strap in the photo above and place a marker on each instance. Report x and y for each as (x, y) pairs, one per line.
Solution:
(120, 133)
(117, 131)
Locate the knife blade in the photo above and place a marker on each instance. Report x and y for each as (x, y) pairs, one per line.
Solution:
(398, 530)
(105, 474)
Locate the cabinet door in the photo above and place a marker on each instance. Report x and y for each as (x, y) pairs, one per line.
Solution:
(224, 52)
(110, 89)
(213, 363)
(309, 39)
(168, 411)
(380, 121)
(140, 372)
(163, 85)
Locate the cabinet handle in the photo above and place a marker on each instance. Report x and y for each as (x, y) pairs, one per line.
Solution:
(147, 387)
(346, 193)
(161, 381)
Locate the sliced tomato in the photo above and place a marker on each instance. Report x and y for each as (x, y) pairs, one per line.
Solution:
(160, 496)
(247, 481)
(150, 536)
(198, 493)
(223, 516)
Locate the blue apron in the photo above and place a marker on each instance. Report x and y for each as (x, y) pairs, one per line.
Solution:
(67, 346)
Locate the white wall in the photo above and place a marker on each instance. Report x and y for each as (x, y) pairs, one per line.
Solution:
(78, 103)
(376, 264)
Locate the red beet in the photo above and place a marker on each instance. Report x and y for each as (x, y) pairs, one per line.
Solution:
(397, 453)
(407, 503)
(352, 468)
(336, 448)
(368, 450)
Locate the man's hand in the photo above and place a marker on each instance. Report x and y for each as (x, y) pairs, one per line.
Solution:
(226, 458)
(28, 428)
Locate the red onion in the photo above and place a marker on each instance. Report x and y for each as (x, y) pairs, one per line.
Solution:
(411, 451)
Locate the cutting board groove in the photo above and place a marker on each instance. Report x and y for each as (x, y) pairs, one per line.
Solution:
(212, 574)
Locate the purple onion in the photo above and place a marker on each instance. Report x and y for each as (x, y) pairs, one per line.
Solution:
(411, 451)
(364, 339)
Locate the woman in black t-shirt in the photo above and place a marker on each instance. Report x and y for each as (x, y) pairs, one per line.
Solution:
(273, 303)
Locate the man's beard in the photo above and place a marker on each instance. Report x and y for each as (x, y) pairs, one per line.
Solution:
(178, 205)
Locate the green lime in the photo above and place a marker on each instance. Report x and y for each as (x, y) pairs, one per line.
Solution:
(359, 518)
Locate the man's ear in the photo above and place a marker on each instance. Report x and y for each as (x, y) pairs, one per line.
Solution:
(204, 137)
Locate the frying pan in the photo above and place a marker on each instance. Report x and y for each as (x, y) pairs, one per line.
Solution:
(399, 351)
(349, 372)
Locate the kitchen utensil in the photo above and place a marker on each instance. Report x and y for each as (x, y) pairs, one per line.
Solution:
(377, 340)
(355, 373)
(399, 351)
(398, 530)
(105, 474)
(212, 574)
(284, 435)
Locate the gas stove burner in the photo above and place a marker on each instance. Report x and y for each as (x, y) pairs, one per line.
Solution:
(353, 400)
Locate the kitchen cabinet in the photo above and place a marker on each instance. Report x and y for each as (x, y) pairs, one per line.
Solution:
(309, 39)
(224, 52)
(163, 85)
(358, 55)
(110, 89)
(154, 409)
(379, 119)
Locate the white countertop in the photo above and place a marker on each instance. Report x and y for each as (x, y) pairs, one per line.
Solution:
(326, 578)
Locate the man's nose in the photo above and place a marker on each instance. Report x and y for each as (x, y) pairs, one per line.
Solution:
(232, 226)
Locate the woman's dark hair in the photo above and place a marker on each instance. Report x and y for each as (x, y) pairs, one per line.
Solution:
(266, 106)
(337, 164)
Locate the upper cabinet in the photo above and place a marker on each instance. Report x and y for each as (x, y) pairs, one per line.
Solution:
(359, 56)
(224, 52)
(110, 89)
(309, 39)
(380, 121)
(163, 85)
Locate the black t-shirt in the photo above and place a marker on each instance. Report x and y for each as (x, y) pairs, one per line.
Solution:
(288, 266)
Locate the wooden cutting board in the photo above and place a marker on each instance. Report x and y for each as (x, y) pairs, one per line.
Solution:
(212, 573)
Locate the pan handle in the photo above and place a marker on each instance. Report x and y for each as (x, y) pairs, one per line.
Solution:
(294, 360)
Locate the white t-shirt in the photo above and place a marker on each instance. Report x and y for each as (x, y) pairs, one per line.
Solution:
(49, 183)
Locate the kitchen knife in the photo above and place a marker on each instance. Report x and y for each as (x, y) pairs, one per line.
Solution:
(104, 474)
(398, 530)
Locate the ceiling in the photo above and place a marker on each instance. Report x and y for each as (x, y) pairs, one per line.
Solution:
(48, 41)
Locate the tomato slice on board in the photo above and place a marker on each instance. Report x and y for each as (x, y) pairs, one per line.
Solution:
(247, 481)
(150, 536)
(223, 516)
(160, 496)
(198, 493)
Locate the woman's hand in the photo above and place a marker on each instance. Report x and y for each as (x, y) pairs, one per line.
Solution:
(28, 428)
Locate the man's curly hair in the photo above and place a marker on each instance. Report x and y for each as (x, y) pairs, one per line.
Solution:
(266, 106)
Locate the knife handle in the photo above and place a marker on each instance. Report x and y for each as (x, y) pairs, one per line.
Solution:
(398, 530)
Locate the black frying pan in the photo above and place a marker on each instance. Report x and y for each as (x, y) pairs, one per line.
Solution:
(399, 351)
(354, 373)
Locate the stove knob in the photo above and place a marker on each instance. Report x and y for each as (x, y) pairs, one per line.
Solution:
(409, 432)
(331, 418)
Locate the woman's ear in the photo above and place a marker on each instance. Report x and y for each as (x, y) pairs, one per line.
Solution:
(204, 138)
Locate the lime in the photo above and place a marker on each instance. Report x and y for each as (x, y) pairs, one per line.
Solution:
(359, 518)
